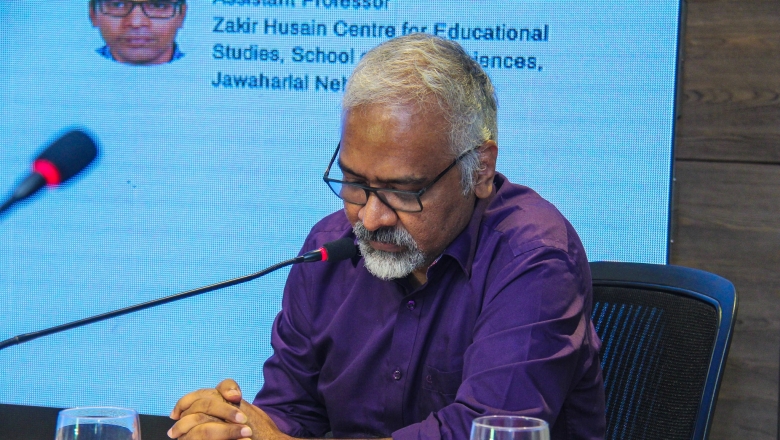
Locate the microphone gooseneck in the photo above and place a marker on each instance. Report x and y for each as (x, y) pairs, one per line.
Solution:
(333, 251)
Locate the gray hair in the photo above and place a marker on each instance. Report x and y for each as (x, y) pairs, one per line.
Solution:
(417, 67)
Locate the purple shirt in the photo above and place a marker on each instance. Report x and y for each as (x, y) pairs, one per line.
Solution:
(501, 327)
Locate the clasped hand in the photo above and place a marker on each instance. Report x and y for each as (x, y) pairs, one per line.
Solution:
(221, 414)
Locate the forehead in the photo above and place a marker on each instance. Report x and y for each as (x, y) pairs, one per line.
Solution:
(398, 137)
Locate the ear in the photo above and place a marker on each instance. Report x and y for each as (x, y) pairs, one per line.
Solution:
(488, 153)
(92, 17)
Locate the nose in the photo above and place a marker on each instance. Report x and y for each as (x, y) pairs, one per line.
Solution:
(375, 214)
(137, 17)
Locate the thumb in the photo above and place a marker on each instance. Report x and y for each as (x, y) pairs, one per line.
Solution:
(230, 390)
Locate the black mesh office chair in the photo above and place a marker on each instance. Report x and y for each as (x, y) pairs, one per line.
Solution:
(665, 334)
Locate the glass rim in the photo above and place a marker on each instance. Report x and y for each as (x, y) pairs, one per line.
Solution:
(539, 424)
(117, 411)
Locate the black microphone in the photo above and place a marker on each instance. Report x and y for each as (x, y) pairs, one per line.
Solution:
(60, 161)
(338, 250)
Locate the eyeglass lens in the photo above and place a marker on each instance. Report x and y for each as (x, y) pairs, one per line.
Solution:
(400, 201)
(152, 9)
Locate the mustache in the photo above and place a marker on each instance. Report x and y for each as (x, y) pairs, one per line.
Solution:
(396, 235)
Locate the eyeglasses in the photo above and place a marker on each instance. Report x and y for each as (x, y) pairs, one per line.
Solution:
(398, 200)
(162, 9)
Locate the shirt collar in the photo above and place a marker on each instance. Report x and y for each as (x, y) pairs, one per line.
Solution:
(464, 247)
(105, 52)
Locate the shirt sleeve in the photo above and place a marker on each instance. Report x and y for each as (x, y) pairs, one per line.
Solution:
(289, 392)
(533, 345)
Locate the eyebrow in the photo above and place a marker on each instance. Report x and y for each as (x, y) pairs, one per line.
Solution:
(396, 181)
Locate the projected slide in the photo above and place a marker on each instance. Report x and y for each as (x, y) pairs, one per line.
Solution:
(215, 121)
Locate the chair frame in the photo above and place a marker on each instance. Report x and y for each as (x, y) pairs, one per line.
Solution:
(693, 283)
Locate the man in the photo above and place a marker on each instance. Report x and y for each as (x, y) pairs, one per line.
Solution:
(472, 295)
(139, 32)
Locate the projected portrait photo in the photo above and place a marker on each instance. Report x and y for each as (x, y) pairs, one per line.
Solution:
(140, 33)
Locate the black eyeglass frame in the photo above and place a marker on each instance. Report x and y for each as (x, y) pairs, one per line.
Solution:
(176, 8)
(376, 191)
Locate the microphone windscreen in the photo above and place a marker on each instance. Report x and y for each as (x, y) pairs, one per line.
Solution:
(341, 249)
(68, 155)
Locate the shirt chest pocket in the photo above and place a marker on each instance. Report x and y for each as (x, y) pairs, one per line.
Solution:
(443, 382)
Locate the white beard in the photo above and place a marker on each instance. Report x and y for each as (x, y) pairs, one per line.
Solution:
(389, 265)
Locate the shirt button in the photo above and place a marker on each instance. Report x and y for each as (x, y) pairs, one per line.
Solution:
(410, 305)
(397, 375)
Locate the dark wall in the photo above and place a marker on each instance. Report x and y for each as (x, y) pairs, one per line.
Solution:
(727, 196)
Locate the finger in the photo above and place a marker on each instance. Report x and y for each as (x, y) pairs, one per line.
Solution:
(214, 405)
(218, 431)
(185, 402)
(186, 423)
(230, 391)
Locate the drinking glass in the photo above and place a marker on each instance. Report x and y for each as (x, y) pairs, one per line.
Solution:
(509, 428)
(101, 423)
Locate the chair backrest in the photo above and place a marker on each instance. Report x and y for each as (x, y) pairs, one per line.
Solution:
(665, 333)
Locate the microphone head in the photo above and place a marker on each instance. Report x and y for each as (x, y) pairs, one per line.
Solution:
(65, 157)
(341, 249)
